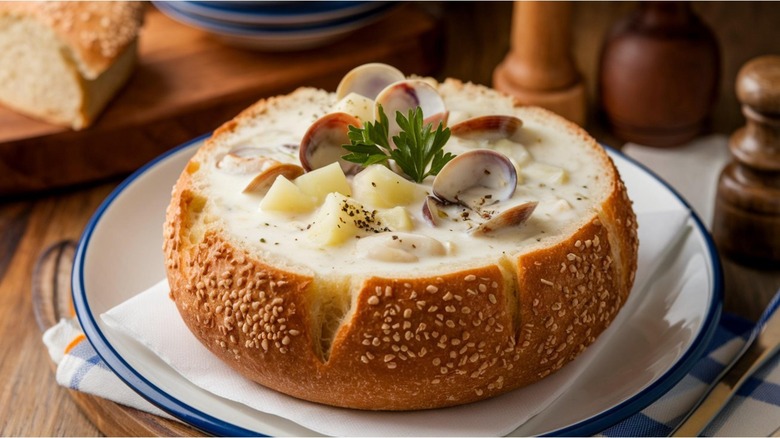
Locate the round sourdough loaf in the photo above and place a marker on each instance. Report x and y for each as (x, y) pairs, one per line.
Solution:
(341, 323)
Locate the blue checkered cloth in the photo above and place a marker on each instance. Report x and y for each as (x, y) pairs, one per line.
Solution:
(754, 411)
(79, 367)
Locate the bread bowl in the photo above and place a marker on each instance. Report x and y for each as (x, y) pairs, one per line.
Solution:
(62, 62)
(371, 297)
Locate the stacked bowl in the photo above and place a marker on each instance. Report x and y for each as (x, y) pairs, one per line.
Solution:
(276, 25)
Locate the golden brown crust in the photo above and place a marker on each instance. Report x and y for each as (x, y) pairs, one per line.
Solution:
(98, 32)
(568, 295)
(406, 343)
(619, 217)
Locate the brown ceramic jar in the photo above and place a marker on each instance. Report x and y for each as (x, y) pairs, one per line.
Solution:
(659, 74)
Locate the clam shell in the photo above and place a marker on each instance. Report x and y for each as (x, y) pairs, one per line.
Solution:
(407, 95)
(321, 145)
(265, 179)
(368, 80)
(512, 217)
(476, 178)
(490, 128)
(431, 210)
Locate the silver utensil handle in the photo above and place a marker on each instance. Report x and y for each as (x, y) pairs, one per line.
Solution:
(760, 350)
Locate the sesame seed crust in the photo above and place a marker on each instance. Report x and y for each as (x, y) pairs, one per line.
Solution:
(407, 342)
(430, 355)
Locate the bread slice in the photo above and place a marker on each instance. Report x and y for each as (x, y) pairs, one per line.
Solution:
(335, 324)
(62, 62)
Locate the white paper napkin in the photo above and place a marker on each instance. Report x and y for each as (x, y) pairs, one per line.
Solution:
(164, 333)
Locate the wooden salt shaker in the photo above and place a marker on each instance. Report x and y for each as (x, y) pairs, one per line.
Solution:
(539, 69)
(746, 224)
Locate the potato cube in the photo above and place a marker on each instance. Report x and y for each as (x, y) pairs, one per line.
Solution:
(541, 172)
(396, 218)
(320, 182)
(286, 197)
(381, 187)
(336, 221)
(356, 105)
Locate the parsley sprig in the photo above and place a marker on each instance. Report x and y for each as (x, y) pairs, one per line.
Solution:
(419, 150)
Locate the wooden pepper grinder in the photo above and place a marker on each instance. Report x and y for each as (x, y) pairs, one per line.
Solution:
(746, 224)
(539, 69)
(658, 75)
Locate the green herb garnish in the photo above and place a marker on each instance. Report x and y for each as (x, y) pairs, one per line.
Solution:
(418, 149)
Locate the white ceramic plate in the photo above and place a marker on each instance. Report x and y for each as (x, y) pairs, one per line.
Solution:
(120, 255)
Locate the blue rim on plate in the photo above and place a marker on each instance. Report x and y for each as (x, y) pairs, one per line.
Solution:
(106, 351)
(222, 27)
(200, 420)
(283, 7)
(278, 15)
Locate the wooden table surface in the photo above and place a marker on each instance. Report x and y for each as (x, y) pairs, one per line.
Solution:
(31, 402)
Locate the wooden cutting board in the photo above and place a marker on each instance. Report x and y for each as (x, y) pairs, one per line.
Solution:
(188, 83)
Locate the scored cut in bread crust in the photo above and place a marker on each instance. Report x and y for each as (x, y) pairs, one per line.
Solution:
(408, 341)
